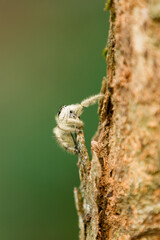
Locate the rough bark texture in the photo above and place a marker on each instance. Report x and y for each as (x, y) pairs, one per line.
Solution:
(119, 195)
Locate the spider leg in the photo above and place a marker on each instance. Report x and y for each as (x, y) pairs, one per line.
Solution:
(74, 122)
(75, 141)
(68, 129)
(92, 100)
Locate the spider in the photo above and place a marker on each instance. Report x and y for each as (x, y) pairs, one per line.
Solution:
(69, 123)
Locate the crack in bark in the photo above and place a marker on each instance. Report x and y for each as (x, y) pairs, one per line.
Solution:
(102, 199)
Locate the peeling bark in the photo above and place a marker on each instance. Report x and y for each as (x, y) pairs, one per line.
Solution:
(119, 194)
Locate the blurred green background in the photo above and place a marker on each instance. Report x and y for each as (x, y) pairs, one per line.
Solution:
(50, 55)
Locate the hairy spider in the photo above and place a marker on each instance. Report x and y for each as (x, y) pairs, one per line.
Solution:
(69, 123)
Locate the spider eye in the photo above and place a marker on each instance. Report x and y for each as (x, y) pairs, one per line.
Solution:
(60, 110)
(72, 114)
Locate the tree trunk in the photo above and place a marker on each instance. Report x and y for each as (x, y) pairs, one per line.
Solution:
(119, 194)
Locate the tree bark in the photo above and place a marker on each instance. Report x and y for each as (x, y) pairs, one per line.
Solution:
(119, 194)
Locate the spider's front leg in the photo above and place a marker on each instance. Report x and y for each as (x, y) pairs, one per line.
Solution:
(69, 129)
(75, 123)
